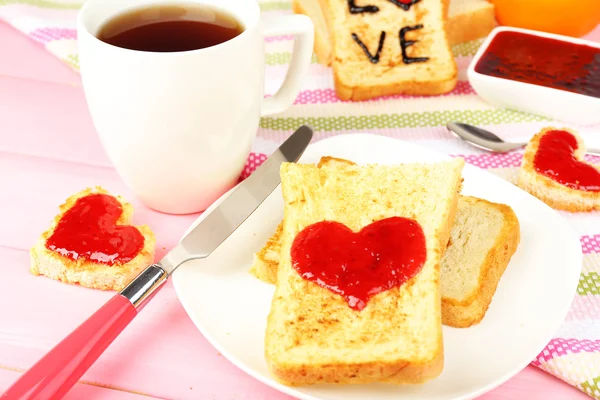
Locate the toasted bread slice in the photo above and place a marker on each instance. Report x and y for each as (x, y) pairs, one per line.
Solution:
(467, 20)
(266, 261)
(86, 272)
(551, 192)
(312, 335)
(425, 66)
(322, 45)
(483, 239)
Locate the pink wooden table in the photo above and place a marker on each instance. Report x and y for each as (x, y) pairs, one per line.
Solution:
(49, 150)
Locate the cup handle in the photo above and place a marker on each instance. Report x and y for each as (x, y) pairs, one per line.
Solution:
(303, 30)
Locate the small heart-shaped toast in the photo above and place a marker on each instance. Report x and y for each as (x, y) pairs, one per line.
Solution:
(553, 170)
(92, 243)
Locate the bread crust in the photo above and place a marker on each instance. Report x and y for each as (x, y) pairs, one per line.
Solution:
(471, 309)
(380, 372)
(85, 272)
(554, 194)
(409, 88)
(266, 260)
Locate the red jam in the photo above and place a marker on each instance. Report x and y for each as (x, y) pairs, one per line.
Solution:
(88, 230)
(544, 62)
(357, 266)
(555, 159)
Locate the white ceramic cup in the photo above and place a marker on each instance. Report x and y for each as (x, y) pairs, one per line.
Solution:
(178, 126)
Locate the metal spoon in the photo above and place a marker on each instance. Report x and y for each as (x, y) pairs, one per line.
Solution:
(486, 140)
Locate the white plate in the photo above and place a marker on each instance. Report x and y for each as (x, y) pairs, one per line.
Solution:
(230, 307)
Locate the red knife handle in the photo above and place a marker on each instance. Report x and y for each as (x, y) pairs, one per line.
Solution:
(54, 375)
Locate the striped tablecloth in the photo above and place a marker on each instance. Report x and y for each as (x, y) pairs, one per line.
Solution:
(574, 353)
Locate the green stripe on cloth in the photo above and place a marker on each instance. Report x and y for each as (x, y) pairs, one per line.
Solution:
(45, 4)
(406, 120)
(467, 49)
(72, 60)
(589, 284)
(283, 58)
(592, 387)
(275, 6)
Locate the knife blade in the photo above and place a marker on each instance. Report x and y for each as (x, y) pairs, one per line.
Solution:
(222, 221)
(201, 241)
(55, 374)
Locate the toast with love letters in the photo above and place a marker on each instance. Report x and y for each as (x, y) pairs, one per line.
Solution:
(385, 47)
(91, 243)
(335, 316)
(553, 170)
(483, 239)
(467, 20)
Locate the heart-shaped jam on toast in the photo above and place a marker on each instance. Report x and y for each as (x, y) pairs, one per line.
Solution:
(358, 265)
(89, 230)
(557, 158)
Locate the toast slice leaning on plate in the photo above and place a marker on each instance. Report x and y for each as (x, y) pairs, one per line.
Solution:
(483, 239)
(313, 335)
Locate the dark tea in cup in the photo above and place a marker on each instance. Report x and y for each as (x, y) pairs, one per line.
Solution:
(170, 28)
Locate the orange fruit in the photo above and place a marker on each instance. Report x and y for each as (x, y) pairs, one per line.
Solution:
(564, 17)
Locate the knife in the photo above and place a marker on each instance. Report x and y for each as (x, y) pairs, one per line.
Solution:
(54, 375)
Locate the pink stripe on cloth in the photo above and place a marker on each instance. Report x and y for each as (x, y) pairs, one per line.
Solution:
(560, 347)
(271, 39)
(254, 161)
(323, 96)
(584, 308)
(486, 161)
(590, 244)
(592, 159)
(45, 35)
